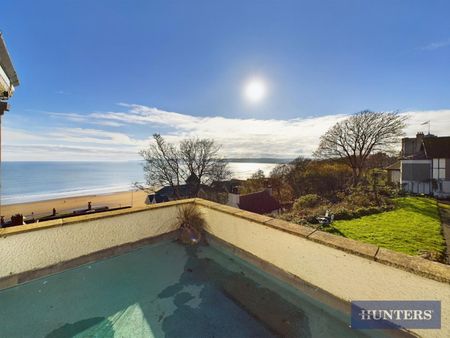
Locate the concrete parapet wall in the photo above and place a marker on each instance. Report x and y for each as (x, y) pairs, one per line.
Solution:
(36, 246)
(347, 269)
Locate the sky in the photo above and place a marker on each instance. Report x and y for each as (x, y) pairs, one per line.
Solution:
(98, 78)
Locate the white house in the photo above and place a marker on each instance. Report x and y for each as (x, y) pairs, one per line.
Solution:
(8, 82)
(425, 165)
(8, 76)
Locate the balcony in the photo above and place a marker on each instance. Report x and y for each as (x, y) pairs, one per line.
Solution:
(121, 271)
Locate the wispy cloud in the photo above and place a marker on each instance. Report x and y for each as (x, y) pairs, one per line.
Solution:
(89, 118)
(282, 138)
(45, 152)
(437, 45)
(239, 137)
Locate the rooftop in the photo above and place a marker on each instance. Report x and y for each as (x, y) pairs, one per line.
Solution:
(6, 63)
(394, 166)
(165, 286)
(261, 202)
(437, 147)
(203, 291)
(426, 147)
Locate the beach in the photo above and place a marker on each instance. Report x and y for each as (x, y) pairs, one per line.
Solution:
(64, 205)
(35, 188)
(24, 182)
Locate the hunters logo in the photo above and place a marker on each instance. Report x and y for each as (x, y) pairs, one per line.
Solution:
(396, 314)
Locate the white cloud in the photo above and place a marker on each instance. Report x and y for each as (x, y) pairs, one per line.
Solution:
(45, 152)
(239, 137)
(280, 138)
(96, 136)
(437, 45)
(69, 144)
(17, 136)
(80, 118)
(439, 122)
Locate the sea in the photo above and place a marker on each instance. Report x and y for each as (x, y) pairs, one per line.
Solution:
(35, 181)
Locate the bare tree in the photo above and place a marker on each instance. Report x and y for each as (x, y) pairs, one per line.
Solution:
(162, 164)
(278, 182)
(201, 158)
(194, 161)
(360, 135)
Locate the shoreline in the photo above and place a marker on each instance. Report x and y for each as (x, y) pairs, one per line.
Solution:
(68, 204)
(55, 195)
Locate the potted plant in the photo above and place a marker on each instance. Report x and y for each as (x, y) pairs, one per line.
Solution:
(191, 224)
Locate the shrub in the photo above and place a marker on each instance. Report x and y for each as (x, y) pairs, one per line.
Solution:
(345, 214)
(359, 198)
(307, 201)
(342, 213)
(191, 224)
(433, 256)
(391, 191)
(312, 219)
(374, 210)
(360, 212)
(356, 203)
(293, 218)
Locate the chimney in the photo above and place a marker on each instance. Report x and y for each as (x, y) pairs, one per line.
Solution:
(411, 145)
(233, 200)
(269, 190)
(419, 140)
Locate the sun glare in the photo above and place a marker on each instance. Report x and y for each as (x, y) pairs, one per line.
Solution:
(255, 90)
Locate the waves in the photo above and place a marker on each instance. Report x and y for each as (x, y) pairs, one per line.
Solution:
(32, 197)
(24, 182)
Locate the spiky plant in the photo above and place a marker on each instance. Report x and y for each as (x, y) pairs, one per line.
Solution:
(191, 224)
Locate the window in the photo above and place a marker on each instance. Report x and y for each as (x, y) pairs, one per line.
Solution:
(435, 173)
(439, 168)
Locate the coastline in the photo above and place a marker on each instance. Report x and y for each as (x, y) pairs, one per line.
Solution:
(25, 182)
(67, 204)
(34, 189)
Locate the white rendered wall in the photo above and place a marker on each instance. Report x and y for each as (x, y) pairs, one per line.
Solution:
(233, 200)
(44, 247)
(344, 275)
(395, 176)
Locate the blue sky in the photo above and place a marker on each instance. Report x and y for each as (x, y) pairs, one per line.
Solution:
(99, 77)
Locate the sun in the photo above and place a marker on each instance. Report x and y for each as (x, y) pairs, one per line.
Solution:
(255, 90)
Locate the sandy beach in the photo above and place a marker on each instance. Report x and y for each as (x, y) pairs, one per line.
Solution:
(62, 205)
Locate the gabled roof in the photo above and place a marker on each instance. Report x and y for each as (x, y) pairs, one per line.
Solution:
(261, 202)
(394, 166)
(184, 190)
(6, 64)
(226, 186)
(158, 198)
(437, 147)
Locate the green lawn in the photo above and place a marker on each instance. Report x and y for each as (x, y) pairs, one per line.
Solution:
(412, 227)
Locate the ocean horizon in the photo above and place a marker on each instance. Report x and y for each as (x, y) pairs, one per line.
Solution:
(26, 181)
